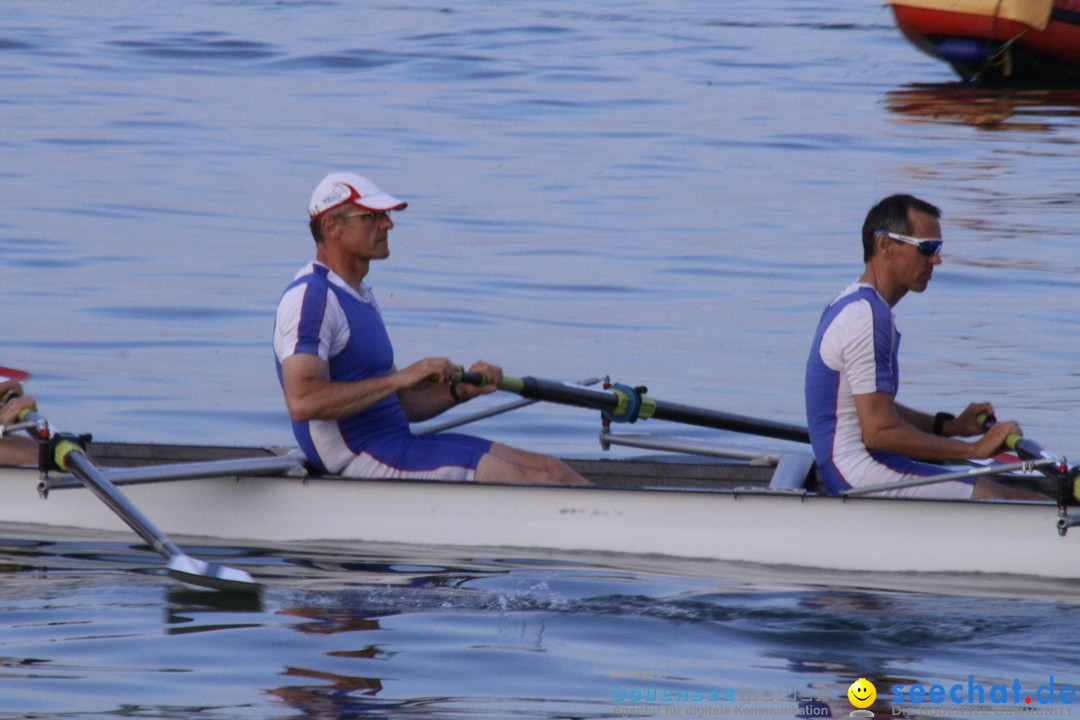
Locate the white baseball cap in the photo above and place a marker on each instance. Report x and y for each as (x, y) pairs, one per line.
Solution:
(336, 189)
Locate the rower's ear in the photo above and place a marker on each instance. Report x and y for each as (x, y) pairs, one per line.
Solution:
(882, 245)
(328, 223)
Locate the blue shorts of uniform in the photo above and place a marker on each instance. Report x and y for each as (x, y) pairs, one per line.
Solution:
(441, 456)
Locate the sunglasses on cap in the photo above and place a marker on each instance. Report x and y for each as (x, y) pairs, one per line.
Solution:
(926, 246)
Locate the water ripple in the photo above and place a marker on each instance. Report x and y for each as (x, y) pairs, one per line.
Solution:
(200, 46)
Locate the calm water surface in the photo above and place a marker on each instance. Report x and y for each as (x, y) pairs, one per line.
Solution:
(665, 193)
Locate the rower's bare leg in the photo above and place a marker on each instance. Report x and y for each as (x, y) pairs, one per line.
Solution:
(505, 464)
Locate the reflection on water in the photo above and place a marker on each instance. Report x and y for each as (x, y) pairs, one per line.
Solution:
(399, 631)
(1025, 110)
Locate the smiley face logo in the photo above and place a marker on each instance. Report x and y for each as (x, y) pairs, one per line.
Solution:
(862, 693)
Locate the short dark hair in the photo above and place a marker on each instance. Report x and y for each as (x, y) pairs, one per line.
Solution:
(891, 215)
(316, 222)
(316, 229)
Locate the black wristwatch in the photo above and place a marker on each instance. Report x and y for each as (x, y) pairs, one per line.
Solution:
(939, 422)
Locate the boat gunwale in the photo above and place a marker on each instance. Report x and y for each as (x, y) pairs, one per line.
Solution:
(735, 491)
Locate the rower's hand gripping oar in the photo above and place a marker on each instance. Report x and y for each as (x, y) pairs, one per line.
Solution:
(622, 403)
(68, 453)
(1068, 481)
(488, 413)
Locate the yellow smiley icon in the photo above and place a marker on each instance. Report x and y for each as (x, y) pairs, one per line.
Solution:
(862, 693)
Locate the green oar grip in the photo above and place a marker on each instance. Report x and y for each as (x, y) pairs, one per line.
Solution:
(62, 449)
(512, 384)
(987, 421)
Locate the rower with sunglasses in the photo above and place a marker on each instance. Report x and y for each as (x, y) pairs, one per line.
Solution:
(860, 435)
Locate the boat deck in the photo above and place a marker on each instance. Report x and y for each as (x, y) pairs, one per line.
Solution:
(668, 471)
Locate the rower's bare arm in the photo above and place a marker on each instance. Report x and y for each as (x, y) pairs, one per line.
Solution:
(431, 396)
(894, 428)
(311, 395)
(920, 420)
(425, 400)
(18, 450)
(968, 424)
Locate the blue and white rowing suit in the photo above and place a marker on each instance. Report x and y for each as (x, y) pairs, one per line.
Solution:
(319, 314)
(855, 352)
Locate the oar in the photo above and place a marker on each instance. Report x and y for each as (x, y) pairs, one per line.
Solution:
(623, 403)
(69, 455)
(1019, 444)
(491, 412)
(1053, 467)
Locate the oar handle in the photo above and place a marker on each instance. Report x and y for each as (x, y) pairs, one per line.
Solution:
(1067, 481)
(460, 375)
(469, 378)
(987, 421)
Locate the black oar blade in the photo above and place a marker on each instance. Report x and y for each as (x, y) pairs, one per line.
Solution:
(197, 572)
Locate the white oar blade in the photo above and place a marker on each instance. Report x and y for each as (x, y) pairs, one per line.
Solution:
(197, 572)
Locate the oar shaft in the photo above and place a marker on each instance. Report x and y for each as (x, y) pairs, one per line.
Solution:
(180, 565)
(609, 401)
(69, 454)
(81, 467)
(552, 391)
(478, 379)
(729, 421)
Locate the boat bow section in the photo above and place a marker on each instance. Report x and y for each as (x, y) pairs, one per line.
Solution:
(997, 40)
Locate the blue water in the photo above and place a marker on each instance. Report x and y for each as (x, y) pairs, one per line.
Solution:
(666, 193)
(88, 629)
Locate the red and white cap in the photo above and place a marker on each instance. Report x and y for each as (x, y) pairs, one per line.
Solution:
(336, 189)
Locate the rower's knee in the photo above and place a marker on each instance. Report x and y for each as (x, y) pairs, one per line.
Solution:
(520, 466)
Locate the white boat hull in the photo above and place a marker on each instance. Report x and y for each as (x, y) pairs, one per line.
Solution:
(756, 526)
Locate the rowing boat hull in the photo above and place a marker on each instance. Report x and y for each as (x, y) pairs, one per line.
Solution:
(980, 44)
(742, 525)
